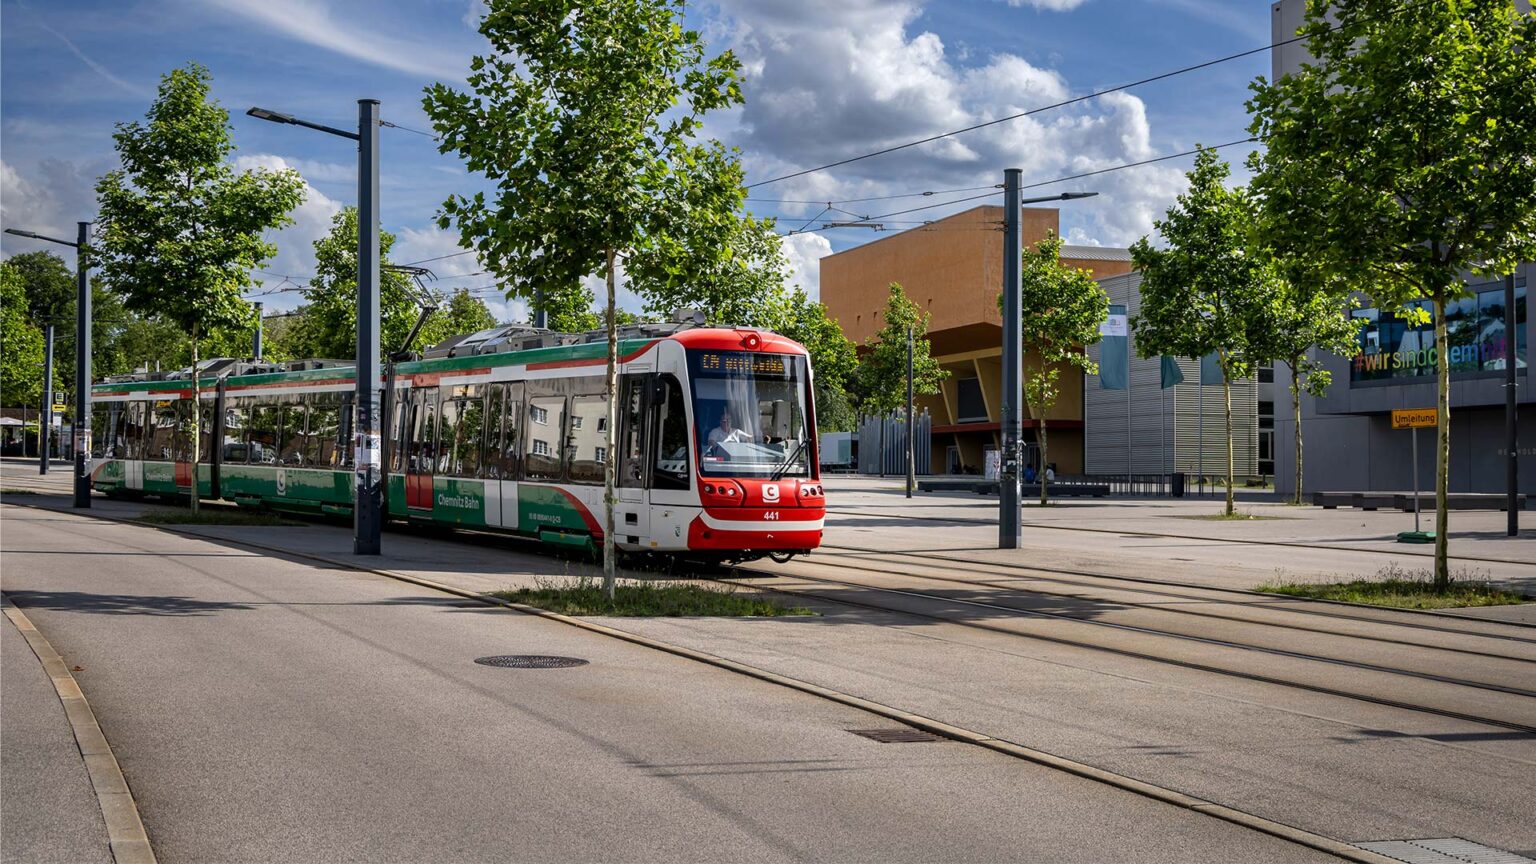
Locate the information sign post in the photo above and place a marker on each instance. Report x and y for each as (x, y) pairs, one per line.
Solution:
(1414, 419)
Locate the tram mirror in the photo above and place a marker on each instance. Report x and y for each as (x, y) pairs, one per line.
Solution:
(776, 419)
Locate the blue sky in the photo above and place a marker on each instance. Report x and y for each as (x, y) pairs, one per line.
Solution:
(824, 81)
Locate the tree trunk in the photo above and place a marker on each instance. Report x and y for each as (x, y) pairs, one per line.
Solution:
(1442, 444)
(1045, 459)
(197, 418)
(610, 437)
(1226, 389)
(1296, 410)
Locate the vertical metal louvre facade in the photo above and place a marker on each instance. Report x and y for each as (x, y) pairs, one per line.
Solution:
(887, 453)
(1145, 429)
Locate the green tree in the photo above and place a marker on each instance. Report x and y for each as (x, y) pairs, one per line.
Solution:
(1207, 292)
(1307, 312)
(21, 342)
(179, 230)
(466, 313)
(1060, 309)
(834, 359)
(882, 370)
(327, 323)
(1402, 154)
(585, 117)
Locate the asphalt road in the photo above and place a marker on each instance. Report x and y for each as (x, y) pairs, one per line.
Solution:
(268, 710)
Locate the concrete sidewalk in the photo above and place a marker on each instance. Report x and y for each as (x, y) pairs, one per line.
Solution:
(47, 806)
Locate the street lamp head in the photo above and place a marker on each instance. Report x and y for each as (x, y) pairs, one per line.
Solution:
(20, 233)
(274, 116)
(1069, 196)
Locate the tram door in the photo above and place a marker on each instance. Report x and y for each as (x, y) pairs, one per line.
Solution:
(632, 516)
(421, 449)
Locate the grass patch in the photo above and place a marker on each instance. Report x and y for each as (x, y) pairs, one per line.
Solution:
(1403, 589)
(10, 491)
(642, 599)
(215, 517)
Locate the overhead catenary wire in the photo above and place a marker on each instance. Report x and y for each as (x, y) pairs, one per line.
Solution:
(1043, 108)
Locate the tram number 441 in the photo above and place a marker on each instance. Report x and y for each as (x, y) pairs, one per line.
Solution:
(771, 515)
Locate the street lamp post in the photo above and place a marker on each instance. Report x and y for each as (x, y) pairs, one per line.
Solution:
(1013, 355)
(82, 357)
(44, 431)
(368, 499)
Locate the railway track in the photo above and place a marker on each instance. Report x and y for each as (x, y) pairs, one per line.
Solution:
(858, 510)
(1488, 699)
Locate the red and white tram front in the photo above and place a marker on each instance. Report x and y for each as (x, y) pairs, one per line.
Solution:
(752, 445)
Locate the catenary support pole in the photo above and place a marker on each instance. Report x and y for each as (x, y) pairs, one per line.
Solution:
(45, 429)
(256, 339)
(82, 425)
(911, 422)
(367, 511)
(1013, 365)
(1511, 420)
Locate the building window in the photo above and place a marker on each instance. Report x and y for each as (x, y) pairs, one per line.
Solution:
(540, 416)
(541, 447)
(601, 457)
(1266, 415)
(1267, 374)
(575, 422)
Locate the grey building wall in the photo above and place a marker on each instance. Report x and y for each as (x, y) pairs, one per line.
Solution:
(1177, 429)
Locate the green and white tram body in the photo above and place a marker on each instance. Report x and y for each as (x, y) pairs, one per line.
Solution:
(504, 430)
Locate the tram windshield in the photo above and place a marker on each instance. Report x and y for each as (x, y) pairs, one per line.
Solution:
(750, 412)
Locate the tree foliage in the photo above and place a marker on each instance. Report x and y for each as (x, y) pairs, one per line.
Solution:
(21, 342)
(882, 371)
(585, 116)
(1207, 292)
(1060, 309)
(1403, 155)
(179, 230)
(326, 325)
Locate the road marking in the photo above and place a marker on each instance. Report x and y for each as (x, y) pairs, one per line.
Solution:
(1290, 833)
(125, 831)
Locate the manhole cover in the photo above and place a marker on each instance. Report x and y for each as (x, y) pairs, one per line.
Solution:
(530, 661)
(897, 736)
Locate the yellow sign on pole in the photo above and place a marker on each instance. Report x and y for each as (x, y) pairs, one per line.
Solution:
(58, 409)
(1414, 418)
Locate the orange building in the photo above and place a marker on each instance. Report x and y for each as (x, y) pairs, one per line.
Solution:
(953, 269)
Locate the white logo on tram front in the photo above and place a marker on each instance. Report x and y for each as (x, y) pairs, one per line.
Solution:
(771, 493)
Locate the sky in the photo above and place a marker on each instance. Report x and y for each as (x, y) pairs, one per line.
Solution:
(822, 81)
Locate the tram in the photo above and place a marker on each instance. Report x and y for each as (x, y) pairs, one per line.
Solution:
(503, 430)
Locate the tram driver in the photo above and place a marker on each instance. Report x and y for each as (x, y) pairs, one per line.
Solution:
(727, 432)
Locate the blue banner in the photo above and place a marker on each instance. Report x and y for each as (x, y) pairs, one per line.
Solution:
(1171, 375)
(1114, 350)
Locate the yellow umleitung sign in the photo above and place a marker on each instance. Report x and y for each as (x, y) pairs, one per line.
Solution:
(1410, 418)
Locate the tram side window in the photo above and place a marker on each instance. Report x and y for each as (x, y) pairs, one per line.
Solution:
(205, 417)
(471, 434)
(671, 469)
(320, 442)
(511, 424)
(134, 431)
(587, 444)
(264, 434)
(164, 427)
(234, 449)
(401, 433)
(292, 424)
(632, 432)
(495, 410)
(106, 430)
(542, 452)
(424, 431)
(344, 443)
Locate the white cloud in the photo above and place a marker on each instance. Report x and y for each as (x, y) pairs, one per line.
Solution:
(825, 84)
(1049, 5)
(295, 243)
(50, 198)
(310, 21)
(805, 252)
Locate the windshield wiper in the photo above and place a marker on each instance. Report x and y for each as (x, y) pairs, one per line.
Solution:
(779, 470)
